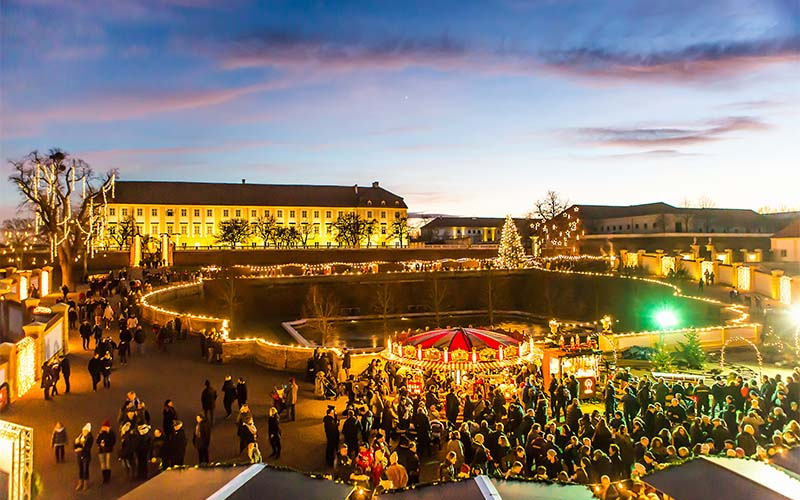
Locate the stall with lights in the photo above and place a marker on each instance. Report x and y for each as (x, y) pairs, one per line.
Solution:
(580, 360)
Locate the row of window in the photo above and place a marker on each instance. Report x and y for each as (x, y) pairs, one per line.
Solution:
(238, 213)
(197, 228)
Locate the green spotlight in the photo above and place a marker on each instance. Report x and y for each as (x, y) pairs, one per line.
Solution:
(666, 318)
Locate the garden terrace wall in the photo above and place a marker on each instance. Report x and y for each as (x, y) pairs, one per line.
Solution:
(710, 338)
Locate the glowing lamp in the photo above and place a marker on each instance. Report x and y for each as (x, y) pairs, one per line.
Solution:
(666, 318)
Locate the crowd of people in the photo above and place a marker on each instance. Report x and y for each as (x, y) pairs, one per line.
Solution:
(538, 432)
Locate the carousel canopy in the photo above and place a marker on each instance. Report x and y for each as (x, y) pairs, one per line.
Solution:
(452, 339)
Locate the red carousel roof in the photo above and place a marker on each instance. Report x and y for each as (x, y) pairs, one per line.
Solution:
(461, 338)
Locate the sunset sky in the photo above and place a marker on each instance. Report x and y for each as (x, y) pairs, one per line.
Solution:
(462, 107)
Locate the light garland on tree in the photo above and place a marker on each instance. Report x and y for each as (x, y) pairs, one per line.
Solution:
(511, 254)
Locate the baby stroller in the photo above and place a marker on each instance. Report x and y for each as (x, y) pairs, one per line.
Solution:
(438, 434)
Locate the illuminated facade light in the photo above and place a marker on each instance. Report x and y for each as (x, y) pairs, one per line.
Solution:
(786, 290)
(743, 278)
(26, 365)
(667, 265)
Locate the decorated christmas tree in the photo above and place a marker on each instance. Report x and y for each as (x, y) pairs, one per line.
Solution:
(510, 255)
(661, 360)
(691, 352)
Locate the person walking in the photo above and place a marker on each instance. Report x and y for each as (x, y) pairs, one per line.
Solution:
(228, 395)
(86, 334)
(241, 392)
(202, 438)
(66, 370)
(125, 338)
(139, 338)
(106, 364)
(274, 432)
(59, 441)
(105, 446)
(83, 451)
(95, 370)
(208, 400)
(292, 399)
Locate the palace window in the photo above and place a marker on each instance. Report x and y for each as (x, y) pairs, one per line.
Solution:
(169, 228)
(316, 214)
(209, 213)
(196, 212)
(280, 214)
(369, 214)
(327, 214)
(183, 212)
(139, 212)
(238, 213)
(184, 229)
(153, 212)
(170, 212)
(124, 212)
(397, 215)
(253, 214)
(304, 214)
(209, 229)
(196, 230)
(112, 211)
(266, 213)
(153, 229)
(226, 212)
(291, 214)
(383, 214)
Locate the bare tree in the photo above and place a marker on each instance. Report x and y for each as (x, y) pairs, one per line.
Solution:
(550, 224)
(384, 303)
(437, 297)
(549, 207)
(320, 307)
(229, 297)
(66, 197)
(264, 228)
(123, 233)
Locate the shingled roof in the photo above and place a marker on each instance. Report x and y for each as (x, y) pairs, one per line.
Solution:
(278, 195)
(790, 231)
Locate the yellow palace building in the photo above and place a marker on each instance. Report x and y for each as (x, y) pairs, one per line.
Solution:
(191, 211)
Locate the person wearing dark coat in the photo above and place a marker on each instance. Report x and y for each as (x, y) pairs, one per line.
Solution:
(66, 370)
(574, 414)
(343, 466)
(241, 392)
(451, 405)
(228, 395)
(351, 430)
(95, 370)
(202, 438)
(274, 432)
(86, 334)
(208, 400)
(177, 445)
(170, 415)
(730, 420)
(106, 439)
(83, 451)
(630, 407)
(469, 408)
(331, 435)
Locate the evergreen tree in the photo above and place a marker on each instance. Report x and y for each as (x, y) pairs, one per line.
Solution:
(511, 254)
(661, 360)
(691, 352)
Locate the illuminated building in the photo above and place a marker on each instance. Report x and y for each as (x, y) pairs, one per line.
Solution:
(191, 211)
(473, 229)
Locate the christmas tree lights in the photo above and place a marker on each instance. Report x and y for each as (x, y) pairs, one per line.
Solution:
(511, 254)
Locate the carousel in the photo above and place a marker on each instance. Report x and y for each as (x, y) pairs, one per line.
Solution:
(459, 350)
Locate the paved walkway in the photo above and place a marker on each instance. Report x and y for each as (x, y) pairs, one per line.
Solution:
(178, 375)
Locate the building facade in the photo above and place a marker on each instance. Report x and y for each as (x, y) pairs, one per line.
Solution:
(476, 230)
(190, 212)
(786, 243)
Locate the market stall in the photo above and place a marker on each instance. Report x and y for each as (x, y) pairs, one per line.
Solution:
(582, 361)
